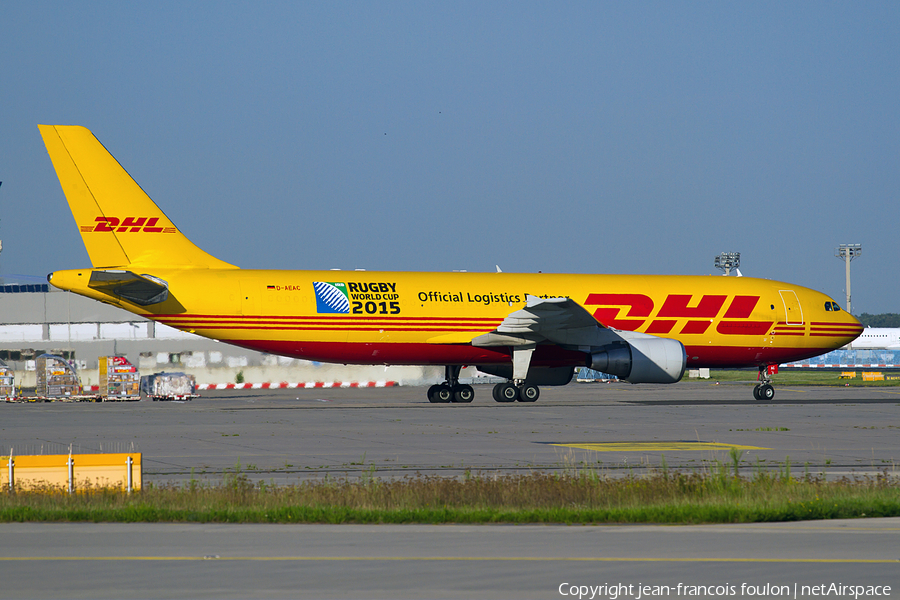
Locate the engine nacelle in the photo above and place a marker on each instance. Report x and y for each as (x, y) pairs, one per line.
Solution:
(643, 360)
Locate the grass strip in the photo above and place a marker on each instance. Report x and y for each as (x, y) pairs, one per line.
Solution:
(582, 497)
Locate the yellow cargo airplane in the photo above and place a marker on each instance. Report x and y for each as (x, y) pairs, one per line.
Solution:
(530, 329)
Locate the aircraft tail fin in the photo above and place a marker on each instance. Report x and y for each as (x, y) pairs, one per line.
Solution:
(119, 223)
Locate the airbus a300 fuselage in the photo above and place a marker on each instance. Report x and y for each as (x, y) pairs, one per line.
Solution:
(532, 329)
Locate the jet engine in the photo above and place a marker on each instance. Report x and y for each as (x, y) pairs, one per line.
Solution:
(645, 359)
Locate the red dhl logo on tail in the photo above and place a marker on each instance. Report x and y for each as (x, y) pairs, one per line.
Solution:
(132, 224)
(678, 306)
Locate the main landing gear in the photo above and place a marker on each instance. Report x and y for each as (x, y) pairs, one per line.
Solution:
(764, 389)
(510, 392)
(451, 390)
(518, 389)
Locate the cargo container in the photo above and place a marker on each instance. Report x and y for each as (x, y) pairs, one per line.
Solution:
(119, 379)
(7, 382)
(56, 378)
(169, 386)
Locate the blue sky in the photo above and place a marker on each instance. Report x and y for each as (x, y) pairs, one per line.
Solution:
(596, 137)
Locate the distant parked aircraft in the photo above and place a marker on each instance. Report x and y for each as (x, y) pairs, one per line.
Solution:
(877, 338)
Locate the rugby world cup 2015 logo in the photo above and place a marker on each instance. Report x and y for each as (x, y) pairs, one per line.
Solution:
(331, 297)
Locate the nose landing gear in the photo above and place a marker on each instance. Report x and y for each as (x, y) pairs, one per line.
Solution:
(764, 389)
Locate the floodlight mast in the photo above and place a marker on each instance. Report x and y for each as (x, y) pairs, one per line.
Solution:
(726, 261)
(847, 252)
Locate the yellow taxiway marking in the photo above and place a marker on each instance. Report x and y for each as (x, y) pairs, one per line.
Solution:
(451, 558)
(812, 528)
(656, 446)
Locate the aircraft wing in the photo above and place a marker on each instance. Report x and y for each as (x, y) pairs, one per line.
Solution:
(556, 320)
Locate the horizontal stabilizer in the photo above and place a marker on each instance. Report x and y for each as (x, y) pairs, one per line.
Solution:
(143, 290)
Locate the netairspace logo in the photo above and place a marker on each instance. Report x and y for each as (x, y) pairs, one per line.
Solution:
(331, 297)
(621, 591)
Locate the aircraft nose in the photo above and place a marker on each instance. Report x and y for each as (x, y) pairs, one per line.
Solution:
(852, 326)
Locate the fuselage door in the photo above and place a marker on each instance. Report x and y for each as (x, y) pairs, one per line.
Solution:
(793, 314)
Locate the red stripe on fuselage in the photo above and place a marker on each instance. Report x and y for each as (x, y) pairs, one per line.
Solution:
(308, 328)
(410, 353)
(743, 327)
(318, 317)
(544, 356)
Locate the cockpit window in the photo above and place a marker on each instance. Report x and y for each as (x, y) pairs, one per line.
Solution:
(835, 307)
(828, 306)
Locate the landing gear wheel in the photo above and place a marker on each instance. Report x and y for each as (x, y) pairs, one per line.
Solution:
(463, 393)
(766, 392)
(430, 393)
(440, 394)
(505, 392)
(756, 391)
(529, 393)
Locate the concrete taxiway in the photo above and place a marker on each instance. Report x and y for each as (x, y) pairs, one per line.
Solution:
(388, 561)
(289, 435)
